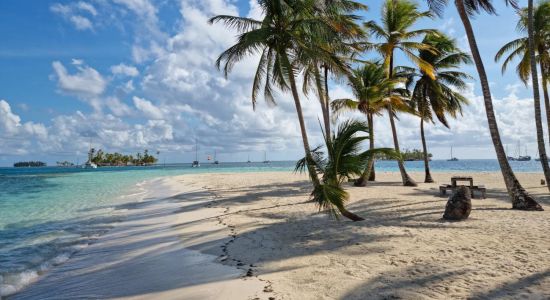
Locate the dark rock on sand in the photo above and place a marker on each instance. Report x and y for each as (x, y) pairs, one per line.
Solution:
(459, 205)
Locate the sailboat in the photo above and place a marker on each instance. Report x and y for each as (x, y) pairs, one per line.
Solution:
(452, 157)
(216, 162)
(265, 158)
(89, 164)
(248, 161)
(196, 163)
(524, 157)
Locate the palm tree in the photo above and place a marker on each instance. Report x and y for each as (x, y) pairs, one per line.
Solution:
(398, 16)
(370, 85)
(277, 36)
(520, 198)
(435, 97)
(340, 40)
(342, 160)
(285, 33)
(537, 23)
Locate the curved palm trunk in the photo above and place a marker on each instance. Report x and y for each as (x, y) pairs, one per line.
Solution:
(346, 213)
(369, 170)
(311, 170)
(520, 198)
(428, 178)
(407, 180)
(536, 96)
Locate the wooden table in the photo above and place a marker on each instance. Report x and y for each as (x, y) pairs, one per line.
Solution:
(454, 179)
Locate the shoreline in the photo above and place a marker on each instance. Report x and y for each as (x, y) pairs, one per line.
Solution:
(217, 228)
(144, 256)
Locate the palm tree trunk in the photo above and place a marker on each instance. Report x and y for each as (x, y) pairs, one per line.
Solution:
(407, 180)
(372, 174)
(346, 213)
(520, 198)
(546, 103)
(369, 170)
(312, 172)
(327, 101)
(536, 95)
(428, 178)
(323, 100)
(307, 150)
(544, 76)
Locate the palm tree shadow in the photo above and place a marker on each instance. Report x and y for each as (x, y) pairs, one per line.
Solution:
(404, 284)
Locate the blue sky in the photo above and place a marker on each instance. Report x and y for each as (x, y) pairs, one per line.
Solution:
(133, 74)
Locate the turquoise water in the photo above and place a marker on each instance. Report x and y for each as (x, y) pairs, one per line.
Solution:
(46, 214)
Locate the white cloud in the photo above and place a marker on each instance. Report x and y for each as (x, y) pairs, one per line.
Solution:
(81, 23)
(122, 69)
(85, 83)
(75, 14)
(18, 138)
(9, 122)
(148, 108)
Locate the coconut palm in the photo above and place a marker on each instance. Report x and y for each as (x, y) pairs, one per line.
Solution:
(276, 37)
(395, 34)
(284, 35)
(434, 98)
(466, 8)
(342, 160)
(340, 40)
(373, 91)
(521, 48)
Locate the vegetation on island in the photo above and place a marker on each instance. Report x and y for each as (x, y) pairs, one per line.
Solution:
(408, 71)
(407, 155)
(102, 158)
(23, 164)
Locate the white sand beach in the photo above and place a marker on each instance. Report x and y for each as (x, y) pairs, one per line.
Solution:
(199, 236)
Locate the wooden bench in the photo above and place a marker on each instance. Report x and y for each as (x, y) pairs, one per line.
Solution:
(480, 188)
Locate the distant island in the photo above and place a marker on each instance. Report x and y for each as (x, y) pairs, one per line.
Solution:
(104, 159)
(408, 155)
(23, 164)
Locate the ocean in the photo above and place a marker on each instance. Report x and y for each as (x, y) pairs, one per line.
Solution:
(47, 214)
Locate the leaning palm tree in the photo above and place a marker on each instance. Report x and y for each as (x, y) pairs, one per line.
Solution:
(343, 159)
(283, 35)
(395, 33)
(373, 92)
(433, 98)
(537, 24)
(277, 37)
(466, 8)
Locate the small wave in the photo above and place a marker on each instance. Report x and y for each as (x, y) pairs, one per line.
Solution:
(15, 282)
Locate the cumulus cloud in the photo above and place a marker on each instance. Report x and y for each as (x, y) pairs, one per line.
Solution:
(125, 70)
(86, 82)
(16, 137)
(148, 108)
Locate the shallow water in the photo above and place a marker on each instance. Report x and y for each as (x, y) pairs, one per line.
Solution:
(46, 214)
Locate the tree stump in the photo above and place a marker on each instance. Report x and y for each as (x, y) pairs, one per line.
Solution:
(459, 204)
